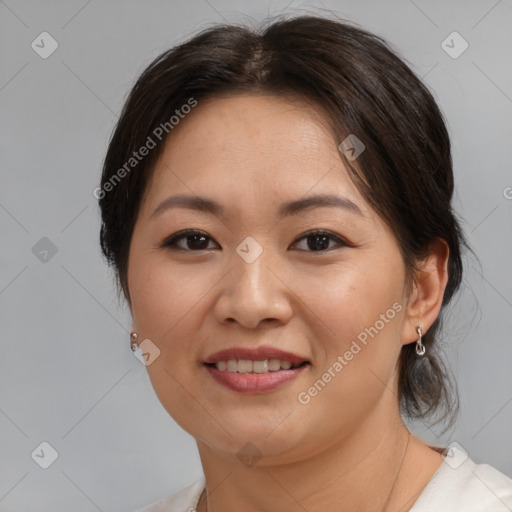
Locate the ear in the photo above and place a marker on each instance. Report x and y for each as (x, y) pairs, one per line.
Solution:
(427, 293)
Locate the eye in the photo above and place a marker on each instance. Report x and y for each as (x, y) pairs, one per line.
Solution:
(318, 241)
(193, 241)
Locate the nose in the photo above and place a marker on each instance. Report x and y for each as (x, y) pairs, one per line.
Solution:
(254, 294)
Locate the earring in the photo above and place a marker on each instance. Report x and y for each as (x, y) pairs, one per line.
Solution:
(133, 340)
(420, 348)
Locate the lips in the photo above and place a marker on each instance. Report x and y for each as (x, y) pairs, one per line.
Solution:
(254, 371)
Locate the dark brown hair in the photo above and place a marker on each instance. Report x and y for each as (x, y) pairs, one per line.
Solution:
(405, 172)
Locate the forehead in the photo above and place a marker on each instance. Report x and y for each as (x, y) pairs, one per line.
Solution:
(253, 145)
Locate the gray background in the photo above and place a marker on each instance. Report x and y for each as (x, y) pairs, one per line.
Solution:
(67, 374)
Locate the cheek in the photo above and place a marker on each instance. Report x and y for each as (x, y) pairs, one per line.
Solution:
(163, 294)
(166, 302)
(361, 310)
(350, 298)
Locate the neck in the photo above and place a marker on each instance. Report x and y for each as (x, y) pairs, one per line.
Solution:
(369, 470)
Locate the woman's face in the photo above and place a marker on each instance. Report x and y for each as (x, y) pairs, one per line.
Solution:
(253, 275)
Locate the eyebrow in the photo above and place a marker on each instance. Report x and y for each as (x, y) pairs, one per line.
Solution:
(204, 204)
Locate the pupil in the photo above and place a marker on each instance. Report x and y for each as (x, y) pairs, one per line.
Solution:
(324, 244)
(197, 241)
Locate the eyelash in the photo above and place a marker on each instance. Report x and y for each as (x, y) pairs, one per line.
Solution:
(170, 243)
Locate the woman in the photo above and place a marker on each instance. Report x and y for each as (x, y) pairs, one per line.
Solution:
(276, 207)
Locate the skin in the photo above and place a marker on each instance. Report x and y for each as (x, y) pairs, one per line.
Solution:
(343, 450)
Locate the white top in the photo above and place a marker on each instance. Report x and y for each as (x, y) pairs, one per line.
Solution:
(459, 485)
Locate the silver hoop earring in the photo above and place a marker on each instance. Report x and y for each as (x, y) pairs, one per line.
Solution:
(420, 348)
(133, 341)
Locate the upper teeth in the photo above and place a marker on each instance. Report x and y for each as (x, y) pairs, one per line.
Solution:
(247, 366)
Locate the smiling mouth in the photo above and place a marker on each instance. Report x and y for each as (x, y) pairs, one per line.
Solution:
(255, 367)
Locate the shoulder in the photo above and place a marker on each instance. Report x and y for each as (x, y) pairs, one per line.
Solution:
(462, 485)
(184, 500)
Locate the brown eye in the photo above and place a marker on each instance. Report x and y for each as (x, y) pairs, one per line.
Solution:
(191, 241)
(318, 241)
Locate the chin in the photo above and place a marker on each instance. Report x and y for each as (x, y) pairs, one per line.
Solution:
(254, 439)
